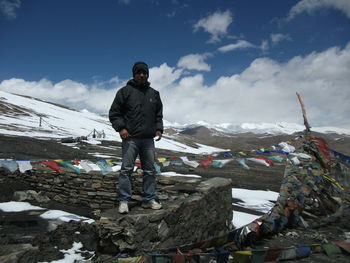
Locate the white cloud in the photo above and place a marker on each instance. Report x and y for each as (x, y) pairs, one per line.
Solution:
(215, 24)
(263, 92)
(8, 8)
(163, 76)
(311, 6)
(195, 62)
(98, 99)
(277, 38)
(67, 92)
(240, 44)
(264, 46)
(243, 44)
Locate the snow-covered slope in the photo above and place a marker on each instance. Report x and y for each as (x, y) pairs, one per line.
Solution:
(26, 116)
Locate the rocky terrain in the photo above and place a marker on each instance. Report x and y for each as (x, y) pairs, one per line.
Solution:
(258, 177)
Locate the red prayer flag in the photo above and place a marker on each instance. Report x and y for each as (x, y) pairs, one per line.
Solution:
(206, 163)
(269, 161)
(322, 147)
(53, 165)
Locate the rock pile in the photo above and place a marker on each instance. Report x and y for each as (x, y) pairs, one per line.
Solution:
(194, 209)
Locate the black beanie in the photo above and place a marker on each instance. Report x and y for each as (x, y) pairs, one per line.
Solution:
(139, 66)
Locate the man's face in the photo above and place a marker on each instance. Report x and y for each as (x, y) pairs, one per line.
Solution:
(141, 76)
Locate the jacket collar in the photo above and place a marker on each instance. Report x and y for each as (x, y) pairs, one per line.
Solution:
(133, 83)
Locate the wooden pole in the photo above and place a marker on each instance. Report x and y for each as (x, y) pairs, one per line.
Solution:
(313, 143)
(306, 123)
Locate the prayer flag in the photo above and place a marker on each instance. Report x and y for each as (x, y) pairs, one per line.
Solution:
(205, 163)
(87, 165)
(10, 165)
(193, 164)
(24, 165)
(53, 165)
(157, 168)
(241, 161)
(70, 166)
(104, 166)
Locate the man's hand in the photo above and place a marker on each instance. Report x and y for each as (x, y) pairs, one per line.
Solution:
(124, 134)
(158, 135)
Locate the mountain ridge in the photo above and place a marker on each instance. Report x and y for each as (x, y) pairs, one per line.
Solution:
(28, 116)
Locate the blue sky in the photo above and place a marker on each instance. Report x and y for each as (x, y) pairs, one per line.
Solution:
(216, 61)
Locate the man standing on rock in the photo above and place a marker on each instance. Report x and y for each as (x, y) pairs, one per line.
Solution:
(137, 114)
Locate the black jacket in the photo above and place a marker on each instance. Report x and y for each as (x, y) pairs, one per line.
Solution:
(138, 109)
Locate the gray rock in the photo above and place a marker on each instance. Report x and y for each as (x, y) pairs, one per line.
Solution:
(14, 252)
(30, 195)
(163, 230)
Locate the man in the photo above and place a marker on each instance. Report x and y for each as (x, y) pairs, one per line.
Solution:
(137, 114)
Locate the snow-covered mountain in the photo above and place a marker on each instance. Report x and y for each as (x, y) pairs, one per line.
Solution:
(257, 128)
(27, 116)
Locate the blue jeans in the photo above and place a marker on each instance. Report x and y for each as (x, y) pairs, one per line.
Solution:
(132, 147)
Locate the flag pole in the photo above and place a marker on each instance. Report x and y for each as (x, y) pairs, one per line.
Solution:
(313, 141)
(306, 123)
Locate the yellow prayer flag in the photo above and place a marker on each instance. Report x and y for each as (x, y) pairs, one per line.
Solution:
(109, 161)
(161, 159)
